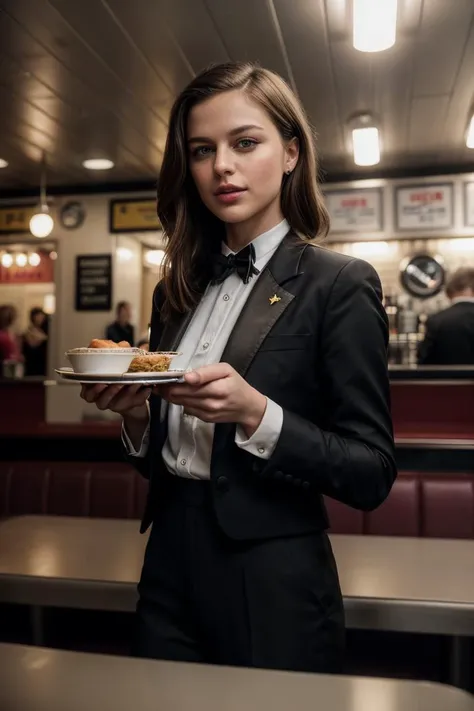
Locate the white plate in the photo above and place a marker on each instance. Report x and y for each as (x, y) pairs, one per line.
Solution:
(169, 376)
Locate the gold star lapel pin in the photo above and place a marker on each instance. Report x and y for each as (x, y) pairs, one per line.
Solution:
(274, 299)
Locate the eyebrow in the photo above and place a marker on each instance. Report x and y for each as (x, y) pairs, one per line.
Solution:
(234, 132)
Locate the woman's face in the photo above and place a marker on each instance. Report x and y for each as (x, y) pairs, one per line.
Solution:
(238, 158)
(39, 319)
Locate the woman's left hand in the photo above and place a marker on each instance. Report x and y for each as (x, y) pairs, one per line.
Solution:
(217, 393)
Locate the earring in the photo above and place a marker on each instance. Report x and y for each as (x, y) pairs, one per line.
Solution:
(288, 171)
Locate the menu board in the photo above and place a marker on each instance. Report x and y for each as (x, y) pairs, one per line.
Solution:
(469, 204)
(94, 282)
(16, 218)
(355, 210)
(422, 207)
(133, 215)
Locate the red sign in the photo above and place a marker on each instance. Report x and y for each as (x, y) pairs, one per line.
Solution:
(42, 274)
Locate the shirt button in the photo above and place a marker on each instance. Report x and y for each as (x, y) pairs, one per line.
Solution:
(183, 462)
(226, 297)
(205, 346)
(261, 450)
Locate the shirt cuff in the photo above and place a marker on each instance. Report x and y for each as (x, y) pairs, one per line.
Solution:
(264, 440)
(127, 443)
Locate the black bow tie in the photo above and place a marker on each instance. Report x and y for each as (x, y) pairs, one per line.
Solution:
(242, 263)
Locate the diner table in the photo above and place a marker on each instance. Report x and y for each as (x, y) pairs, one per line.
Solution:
(36, 679)
(398, 584)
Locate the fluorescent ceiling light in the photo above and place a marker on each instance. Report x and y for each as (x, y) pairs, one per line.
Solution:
(470, 134)
(374, 24)
(98, 164)
(366, 145)
(3, 163)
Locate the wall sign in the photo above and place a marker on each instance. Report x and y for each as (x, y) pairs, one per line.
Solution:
(133, 215)
(355, 210)
(16, 218)
(469, 204)
(422, 276)
(41, 274)
(94, 282)
(421, 207)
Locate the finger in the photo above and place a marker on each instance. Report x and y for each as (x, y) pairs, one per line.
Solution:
(90, 393)
(106, 397)
(208, 373)
(126, 401)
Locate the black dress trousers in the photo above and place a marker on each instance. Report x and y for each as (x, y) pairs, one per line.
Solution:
(272, 604)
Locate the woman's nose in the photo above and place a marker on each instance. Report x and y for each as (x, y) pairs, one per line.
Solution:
(223, 163)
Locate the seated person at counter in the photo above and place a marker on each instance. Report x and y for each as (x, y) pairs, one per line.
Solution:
(9, 347)
(35, 343)
(449, 338)
(121, 329)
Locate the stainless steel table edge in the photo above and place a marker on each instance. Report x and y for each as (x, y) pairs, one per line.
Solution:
(384, 614)
(418, 616)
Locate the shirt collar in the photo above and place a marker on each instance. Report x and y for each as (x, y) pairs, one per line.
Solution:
(463, 299)
(266, 242)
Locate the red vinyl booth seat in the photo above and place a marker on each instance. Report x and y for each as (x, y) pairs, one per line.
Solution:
(431, 505)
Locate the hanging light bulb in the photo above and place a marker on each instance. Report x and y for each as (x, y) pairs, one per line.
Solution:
(34, 260)
(41, 224)
(7, 260)
(21, 260)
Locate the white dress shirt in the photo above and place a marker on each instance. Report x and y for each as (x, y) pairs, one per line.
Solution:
(188, 448)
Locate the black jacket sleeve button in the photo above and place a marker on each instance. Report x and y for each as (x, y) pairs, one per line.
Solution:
(288, 478)
(278, 475)
(306, 485)
(222, 483)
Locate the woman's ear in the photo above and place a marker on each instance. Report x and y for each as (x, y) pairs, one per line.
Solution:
(292, 154)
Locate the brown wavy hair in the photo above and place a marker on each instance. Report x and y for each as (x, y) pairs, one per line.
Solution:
(192, 231)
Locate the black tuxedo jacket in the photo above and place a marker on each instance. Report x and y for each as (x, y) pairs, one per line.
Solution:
(449, 338)
(321, 353)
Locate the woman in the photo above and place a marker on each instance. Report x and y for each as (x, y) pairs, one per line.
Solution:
(287, 399)
(35, 343)
(9, 348)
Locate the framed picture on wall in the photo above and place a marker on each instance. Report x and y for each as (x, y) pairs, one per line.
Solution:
(424, 207)
(469, 204)
(15, 219)
(355, 210)
(133, 215)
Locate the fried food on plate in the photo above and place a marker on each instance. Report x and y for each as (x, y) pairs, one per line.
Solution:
(150, 363)
(103, 343)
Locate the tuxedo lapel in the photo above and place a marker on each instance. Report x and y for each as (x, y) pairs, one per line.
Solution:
(267, 302)
(174, 331)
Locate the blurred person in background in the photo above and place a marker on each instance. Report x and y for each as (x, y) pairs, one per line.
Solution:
(35, 343)
(449, 337)
(9, 344)
(121, 329)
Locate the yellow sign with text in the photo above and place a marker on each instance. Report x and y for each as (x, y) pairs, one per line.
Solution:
(16, 218)
(133, 216)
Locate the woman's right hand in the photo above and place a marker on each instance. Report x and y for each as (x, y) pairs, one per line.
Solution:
(126, 400)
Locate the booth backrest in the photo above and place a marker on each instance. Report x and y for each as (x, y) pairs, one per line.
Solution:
(431, 505)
